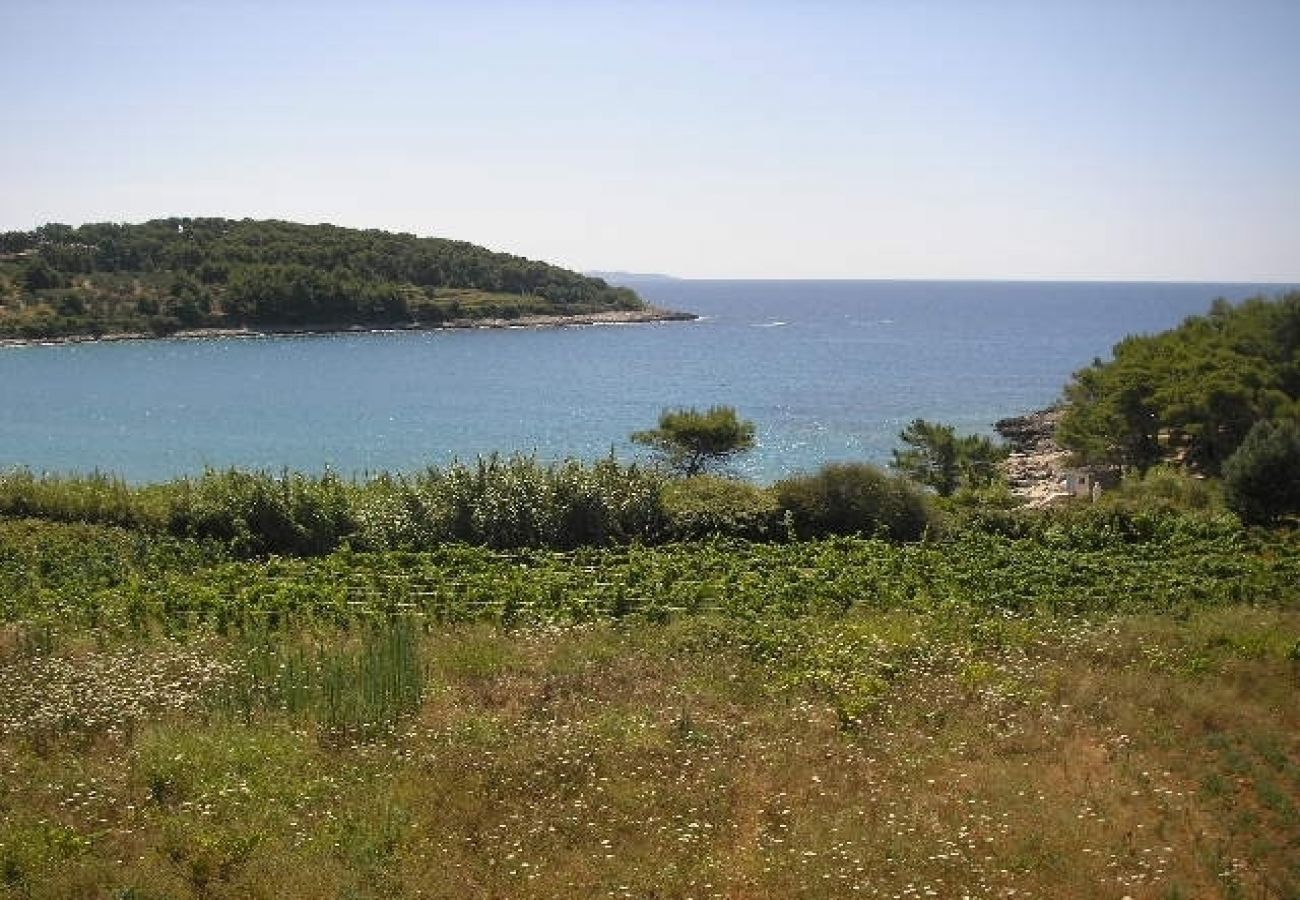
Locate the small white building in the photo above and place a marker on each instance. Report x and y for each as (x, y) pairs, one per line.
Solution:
(1079, 483)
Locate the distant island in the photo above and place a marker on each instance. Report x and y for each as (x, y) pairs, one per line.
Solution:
(619, 277)
(226, 276)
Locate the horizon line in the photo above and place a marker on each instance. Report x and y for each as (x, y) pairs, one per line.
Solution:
(608, 275)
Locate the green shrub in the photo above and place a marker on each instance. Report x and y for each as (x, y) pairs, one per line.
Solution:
(992, 509)
(256, 513)
(391, 514)
(1098, 526)
(510, 503)
(708, 506)
(1262, 478)
(1166, 488)
(854, 498)
(94, 498)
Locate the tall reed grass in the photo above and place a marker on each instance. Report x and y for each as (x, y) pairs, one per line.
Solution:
(519, 502)
(502, 502)
(359, 687)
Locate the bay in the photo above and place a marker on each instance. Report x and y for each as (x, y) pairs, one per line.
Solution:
(829, 370)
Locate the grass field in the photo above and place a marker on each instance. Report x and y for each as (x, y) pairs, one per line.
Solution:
(1063, 715)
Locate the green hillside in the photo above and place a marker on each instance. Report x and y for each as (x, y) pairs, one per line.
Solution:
(172, 274)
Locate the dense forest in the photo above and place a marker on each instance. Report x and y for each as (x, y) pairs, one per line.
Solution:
(180, 273)
(1191, 394)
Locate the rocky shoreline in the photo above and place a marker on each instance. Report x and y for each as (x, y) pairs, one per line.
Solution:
(1036, 460)
(613, 317)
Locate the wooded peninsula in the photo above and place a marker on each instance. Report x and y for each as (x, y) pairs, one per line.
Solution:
(184, 274)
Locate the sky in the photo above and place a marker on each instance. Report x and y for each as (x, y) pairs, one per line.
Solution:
(919, 139)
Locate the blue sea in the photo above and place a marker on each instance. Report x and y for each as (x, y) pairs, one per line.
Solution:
(828, 370)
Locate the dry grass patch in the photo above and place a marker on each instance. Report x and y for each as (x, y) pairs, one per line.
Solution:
(878, 755)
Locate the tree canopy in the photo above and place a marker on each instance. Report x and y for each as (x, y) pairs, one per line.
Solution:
(690, 442)
(1262, 478)
(936, 456)
(1193, 392)
(190, 272)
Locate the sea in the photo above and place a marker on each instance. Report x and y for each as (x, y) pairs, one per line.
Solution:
(827, 371)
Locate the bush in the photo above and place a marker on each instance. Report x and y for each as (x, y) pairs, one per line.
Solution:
(1096, 527)
(710, 506)
(1262, 478)
(95, 498)
(255, 513)
(1168, 489)
(992, 509)
(511, 502)
(854, 498)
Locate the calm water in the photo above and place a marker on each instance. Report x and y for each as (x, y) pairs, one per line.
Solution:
(828, 370)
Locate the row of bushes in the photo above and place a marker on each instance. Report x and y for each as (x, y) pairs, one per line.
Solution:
(497, 502)
(518, 502)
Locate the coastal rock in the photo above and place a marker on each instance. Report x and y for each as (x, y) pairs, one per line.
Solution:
(1034, 467)
(645, 316)
(1034, 432)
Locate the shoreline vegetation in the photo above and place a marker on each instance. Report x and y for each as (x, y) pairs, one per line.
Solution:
(209, 276)
(649, 315)
(1052, 703)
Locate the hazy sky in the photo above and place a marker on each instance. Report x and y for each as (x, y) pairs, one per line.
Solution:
(981, 139)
